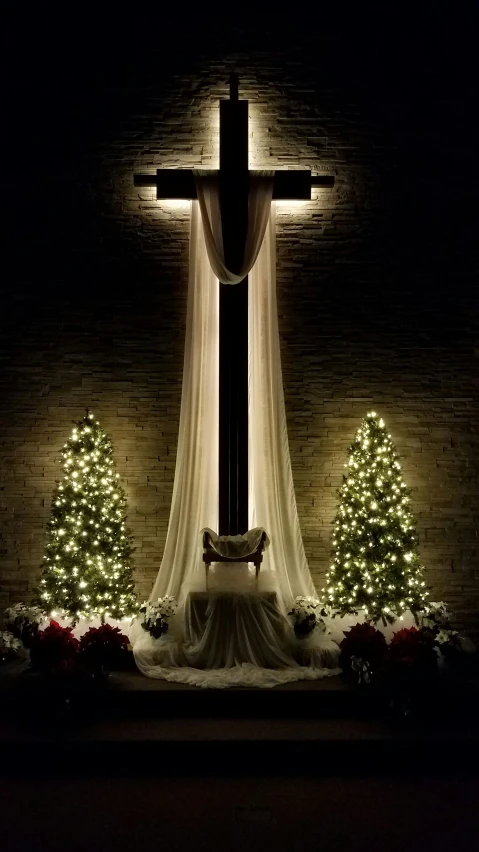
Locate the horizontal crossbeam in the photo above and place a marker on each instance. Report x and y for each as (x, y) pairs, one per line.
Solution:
(180, 183)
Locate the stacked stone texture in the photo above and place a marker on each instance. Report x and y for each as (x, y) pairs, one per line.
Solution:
(375, 310)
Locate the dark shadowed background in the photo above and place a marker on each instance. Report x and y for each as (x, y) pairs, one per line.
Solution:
(376, 278)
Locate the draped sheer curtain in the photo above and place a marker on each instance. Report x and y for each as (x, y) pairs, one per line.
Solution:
(243, 638)
(272, 502)
(194, 503)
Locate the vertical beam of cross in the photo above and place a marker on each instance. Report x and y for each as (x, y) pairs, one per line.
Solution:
(233, 336)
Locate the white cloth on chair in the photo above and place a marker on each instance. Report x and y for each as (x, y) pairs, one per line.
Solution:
(237, 546)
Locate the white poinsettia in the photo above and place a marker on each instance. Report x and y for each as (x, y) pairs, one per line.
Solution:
(22, 614)
(306, 615)
(8, 643)
(445, 636)
(155, 615)
(436, 616)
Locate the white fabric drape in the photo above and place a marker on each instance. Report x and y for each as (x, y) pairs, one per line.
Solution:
(259, 201)
(244, 637)
(194, 502)
(272, 499)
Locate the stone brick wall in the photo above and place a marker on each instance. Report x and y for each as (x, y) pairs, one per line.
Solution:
(375, 284)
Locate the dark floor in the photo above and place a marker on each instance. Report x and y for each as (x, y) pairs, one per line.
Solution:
(150, 765)
(293, 813)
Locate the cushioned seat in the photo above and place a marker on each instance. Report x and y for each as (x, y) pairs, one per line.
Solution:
(234, 548)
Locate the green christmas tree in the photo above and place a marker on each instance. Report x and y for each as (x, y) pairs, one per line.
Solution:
(376, 565)
(87, 563)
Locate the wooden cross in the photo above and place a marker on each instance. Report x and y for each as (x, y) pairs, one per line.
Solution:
(233, 334)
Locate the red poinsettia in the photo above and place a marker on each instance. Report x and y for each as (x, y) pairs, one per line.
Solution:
(364, 642)
(55, 650)
(103, 647)
(411, 648)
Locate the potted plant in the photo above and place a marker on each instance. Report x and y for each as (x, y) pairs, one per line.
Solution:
(156, 615)
(363, 650)
(306, 616)
(24, 622)
(54, 651)
(102, 649)
(9, 646)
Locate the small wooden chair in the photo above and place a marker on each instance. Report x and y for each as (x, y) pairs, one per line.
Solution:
(210, 555)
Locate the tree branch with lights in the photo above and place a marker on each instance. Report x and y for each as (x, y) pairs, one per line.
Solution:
(376, 566)
(87, 564)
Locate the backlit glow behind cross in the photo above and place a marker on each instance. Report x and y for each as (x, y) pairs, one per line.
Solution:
(233, 333)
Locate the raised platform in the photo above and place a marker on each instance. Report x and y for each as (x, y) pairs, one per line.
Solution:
(138, 724)
(147, 763)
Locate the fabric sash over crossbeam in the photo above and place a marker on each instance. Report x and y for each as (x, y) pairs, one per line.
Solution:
(259, 203)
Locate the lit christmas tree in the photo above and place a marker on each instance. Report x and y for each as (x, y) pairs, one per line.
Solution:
(87, 563)
(376, 565)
